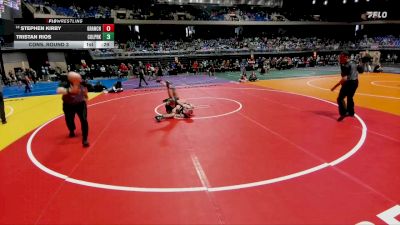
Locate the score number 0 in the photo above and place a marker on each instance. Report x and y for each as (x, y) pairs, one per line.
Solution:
(108, 27)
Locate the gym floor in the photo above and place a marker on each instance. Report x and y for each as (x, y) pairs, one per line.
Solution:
(269, 152)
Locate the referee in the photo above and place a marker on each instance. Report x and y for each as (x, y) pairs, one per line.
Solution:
(349, 71)
(141, 76)
(74, 102)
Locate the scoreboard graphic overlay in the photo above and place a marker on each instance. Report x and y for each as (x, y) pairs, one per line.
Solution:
(64, 33)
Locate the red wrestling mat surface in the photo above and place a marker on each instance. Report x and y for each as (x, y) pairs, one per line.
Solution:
(249, 155)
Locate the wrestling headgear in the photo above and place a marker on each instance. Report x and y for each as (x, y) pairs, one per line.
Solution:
(187, 111)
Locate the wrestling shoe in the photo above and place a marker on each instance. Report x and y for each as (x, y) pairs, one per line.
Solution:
(158, 118)
(85, 144)
(341, 118)
(71, 134)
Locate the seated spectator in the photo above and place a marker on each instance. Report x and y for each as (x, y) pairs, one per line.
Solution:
(378, 69)
(253, 77)
(27, 82)
(243, 78)
(159, 72)
(211, 70)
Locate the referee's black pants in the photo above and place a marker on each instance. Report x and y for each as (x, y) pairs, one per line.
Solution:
(81, 109)
(141, 77)
(347, 91)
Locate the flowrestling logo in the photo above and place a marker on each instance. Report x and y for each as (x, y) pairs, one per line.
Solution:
(375, 15)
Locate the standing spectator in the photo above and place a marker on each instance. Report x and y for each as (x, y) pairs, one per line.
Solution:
(395, 58)
(10, 74)
(103, 71)
(131, 68)
(147, 69)
(43, 73)
(159, 72)
(251, 63)
(5, 80)
(2, 112)
(366, 60)
(243, 66)
(151, 73)
(123, 70)
(33, 75)
(195, 68)
(27, 82)
(13, 78)
(211, 71)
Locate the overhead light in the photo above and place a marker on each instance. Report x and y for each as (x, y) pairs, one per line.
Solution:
(355, 1)
(314, 1)
(344, 1)
(326, 2)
